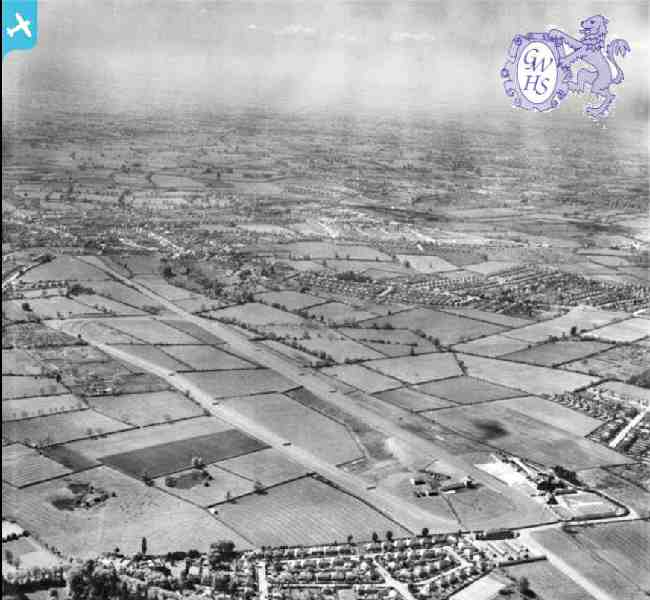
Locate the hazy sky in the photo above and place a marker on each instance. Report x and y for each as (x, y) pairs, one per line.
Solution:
(151, 55)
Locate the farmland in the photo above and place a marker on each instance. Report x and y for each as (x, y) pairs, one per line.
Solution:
(556, 353)
(549, 582)
(630, 330)
(204, 358)
(467, 390)
(16, 386)
(621, 362)
(24, 466)
(363, 378)
(19, 362)
(417, 369)
(224, 384)
(268, 466)
(412, 399)
(150, 331)
(36, 406)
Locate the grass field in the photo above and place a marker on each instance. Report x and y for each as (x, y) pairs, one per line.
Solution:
(426, 264)
(485, 588)
(146, 409)
(255, 313)
(338, 313)
(467, 390)
(414, 400)
(101, 304)
(319, 250)
(206, 358)
(339, 348)
(529, 378)
(624, 331)
(448, 328)
(162, 288)
(136, 511)
(19, 362)
(24, 386)
(269, 466)
(162, 459)
(240, 382)
(60, 428)
(492, 346)
(417, 369)
(304, 427)
(556, 353)
(60, 307)
(36, 406)
(549, 582)
(306, 511)
(621, 362)
(64, 268)
(290, 299)
(150, 331)
(197, 303)
(97, 330)
(119, 292)
(490, 317)
(154, 355)
(390, 342)
(596, 567)
(365, 379)
(195, 331)
(24, 466)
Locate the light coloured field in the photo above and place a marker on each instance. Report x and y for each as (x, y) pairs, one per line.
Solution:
(224, 384)
(31, 555)
(255, 313)
(319, 250)
(306, 511)
(150, 331)
(492, 346)
(414, 400)
(58, 307)
(382, 337)
(467, 390)
(269, 466)
(448, 328)
(624, 331)
(621, 362)
(119, 292)
(197, 303)
(136, 439)
(417, 369)
(24, 466)
(629, 392)
(515, 432)
(485, 588)
(363, 266)
(298, 356)
(426, 264)
(556, 353)
(137, 264)
(529, 378)
(60, 428)
(23, 386)
(339, 348)
(64, 268)
(36, 406)
(101, 304)
(595, 567)
(583, 318)
(19, 362)
(205, 358)
(95, 330)
(365, 379)
(195, 331)
(338, 313)
(546, 580)
(68, 355)
(136, 511)
(146, 409)
(162, 288)
(175, 181)
(154, 355)
(489, 267)
(304, 427)
(290, 299)
(611, 483)
(490, 317)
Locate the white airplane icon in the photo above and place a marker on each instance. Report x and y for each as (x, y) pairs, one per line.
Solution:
(23, 25)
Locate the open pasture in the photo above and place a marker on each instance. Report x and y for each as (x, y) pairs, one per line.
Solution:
(19, 362)
(197, 303)
(146, 409)
(159, 286)
(194, 330)
(320, 250)
(360, 377)
(71, 355)
(426, 264)
(150, 331)
(60, 428)
(24, 466)
(412, 399)
(290, 299)
(269, 466)
(467, 390)
(417, 369)
(390, 342)
(338, 347)
(485, 588)
(298, 356)
(136, 510)
(548, 581)
(136, 264)
(224, 384)
(114, 290)
(305, 511)
(309, 429)
(490, 317)
(556, 353)
(529, 378)
(206, 358)
(492, 346)
(97, 330)
(255, 313)
(64, 268)
(58, 307)
(515, 432)
(621, 362)
(611, 482)
(36, 406)
(448, 328)
(154, 355)
(338, 313)
(23, 386)
(631, 330)
(170, 457)
(106, 305)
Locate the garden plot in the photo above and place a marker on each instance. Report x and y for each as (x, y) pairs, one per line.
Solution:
(154, 355)
(204, 358)
(57, 307)
(150, 331)
(202, 335)
(417, 369)
(223, 384)
(255, 313)
(19, 362)
(160, 287)
(305, 512)
(146, 409)
(269, 467)
(105, 305)
(413, 400)
(24, 466)
(114, 290)
(136, 511)
(362, 378)
(170, 457)
(290, 299)
(631, 330)
(426, 264)
(556, 353)
(490, 317)
(64, 268)
(60, 428)
(23, 386)
(31, 556)
(326, 438)
(338, 313)
(621, 362)
(529, 378)
(467, 390)
(517, 433)
(448, 328)
(492, 346)
(582, 318)
(71, 355)
(339, 348)
(36, 406)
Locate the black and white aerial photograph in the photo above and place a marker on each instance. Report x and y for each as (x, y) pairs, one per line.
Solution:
(325, 300)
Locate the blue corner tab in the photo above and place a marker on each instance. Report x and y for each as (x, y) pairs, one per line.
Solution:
(19, 25)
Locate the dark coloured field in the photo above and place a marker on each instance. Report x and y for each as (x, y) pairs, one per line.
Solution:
(163, 459)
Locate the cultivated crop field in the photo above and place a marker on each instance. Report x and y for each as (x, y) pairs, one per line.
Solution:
(24, 466)
(34, 335)
(305, 511)
(146, 409)
(60, 307)
(206, 358)
(150, 331)
(631, 330)
(162, 288)
(390, 342)
(255, 313)
(339, 348)
(426, 264)
(304, 427)
(19, 362)
(195, 331)
(136, 511)
(114, 290)
(417, 369)
(269, 466)
(320, 250)
(556, 353)
(23, 386)
(492, 346)
(36, 406)
(97, 330)
(64, 268)
(467, 390)
(489, 317)
(365, 379)
(240, 382)
(108, 306)
(413, 400)
(547, 581)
